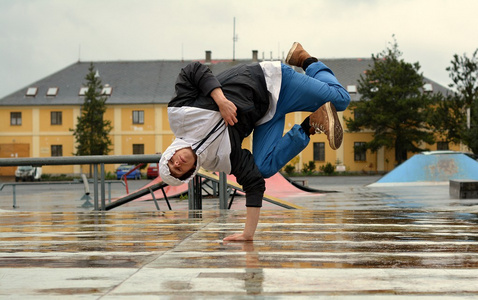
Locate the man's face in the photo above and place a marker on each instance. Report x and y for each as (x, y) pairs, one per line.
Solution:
(182, 161)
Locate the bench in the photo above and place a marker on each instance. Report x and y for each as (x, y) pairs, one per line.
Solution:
(464, 189)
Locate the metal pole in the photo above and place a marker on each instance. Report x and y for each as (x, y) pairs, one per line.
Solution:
(109, 192)
(166, 198)
(191, 195)
(194, 193)
(14, 196)
(78, 160)
(95, 185)
(214, 188)
(197, 192)
(103, 204)
(154, 198)
(85, 184)
(223, 195)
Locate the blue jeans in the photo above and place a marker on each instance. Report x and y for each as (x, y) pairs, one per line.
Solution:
(298, 92)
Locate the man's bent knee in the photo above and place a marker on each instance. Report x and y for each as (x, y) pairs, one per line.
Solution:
(267, 172)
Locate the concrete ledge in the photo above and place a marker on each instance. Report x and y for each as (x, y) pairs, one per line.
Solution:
(464, 189)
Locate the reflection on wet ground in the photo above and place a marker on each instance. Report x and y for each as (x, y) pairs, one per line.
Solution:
(404, 242)
(304, 239)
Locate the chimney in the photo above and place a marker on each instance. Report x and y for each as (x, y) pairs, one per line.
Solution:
(254, 56)
(208, 56)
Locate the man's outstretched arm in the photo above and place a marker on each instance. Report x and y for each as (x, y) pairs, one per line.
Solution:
(250, 178)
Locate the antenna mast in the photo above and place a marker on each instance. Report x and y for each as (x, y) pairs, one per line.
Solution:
(234, 39)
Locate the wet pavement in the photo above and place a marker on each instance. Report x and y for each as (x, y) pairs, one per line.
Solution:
(359, 243)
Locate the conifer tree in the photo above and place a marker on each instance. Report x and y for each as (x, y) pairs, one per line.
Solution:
(92, 131)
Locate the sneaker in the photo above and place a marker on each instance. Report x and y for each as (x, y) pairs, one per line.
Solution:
(326, 120)
(297, 55)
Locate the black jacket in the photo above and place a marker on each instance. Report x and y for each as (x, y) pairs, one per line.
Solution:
(245, 86)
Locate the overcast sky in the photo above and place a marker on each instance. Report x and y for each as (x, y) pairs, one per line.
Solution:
(41, 37)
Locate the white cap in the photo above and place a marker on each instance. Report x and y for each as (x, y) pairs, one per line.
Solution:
(164, 171)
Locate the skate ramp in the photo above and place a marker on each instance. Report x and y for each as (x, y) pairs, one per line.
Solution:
(276, 186)
(279, 186)
(238, 189)
(431, 168)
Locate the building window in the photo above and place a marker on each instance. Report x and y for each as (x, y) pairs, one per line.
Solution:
(56, 150)
(319, 151)
(428, 88)
(360, 151)
(31, 92)
(16, 118)
(56, 118)
(107, 90)
(138, 148)
(52, 92)
(83, 91)
(442, 146)
(352, 89)
(138, 116)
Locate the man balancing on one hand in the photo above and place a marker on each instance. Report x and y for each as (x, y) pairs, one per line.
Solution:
(211, 115)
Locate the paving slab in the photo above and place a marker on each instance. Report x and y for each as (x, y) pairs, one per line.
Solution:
(360, 243)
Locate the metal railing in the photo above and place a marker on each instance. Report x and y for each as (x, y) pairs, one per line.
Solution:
(194, 189)
(14, 186)
(95, 160)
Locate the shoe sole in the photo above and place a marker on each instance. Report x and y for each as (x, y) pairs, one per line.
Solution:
(335, 128)
(291, 51)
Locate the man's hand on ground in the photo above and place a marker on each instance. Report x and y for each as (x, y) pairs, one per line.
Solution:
(238, 237)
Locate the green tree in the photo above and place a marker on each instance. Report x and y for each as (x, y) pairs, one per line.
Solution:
(448, 117)
(463, 73)
(92, 131)
(392, 105)
(471, 134)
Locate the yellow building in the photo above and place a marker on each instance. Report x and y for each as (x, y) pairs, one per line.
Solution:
(36, 120)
